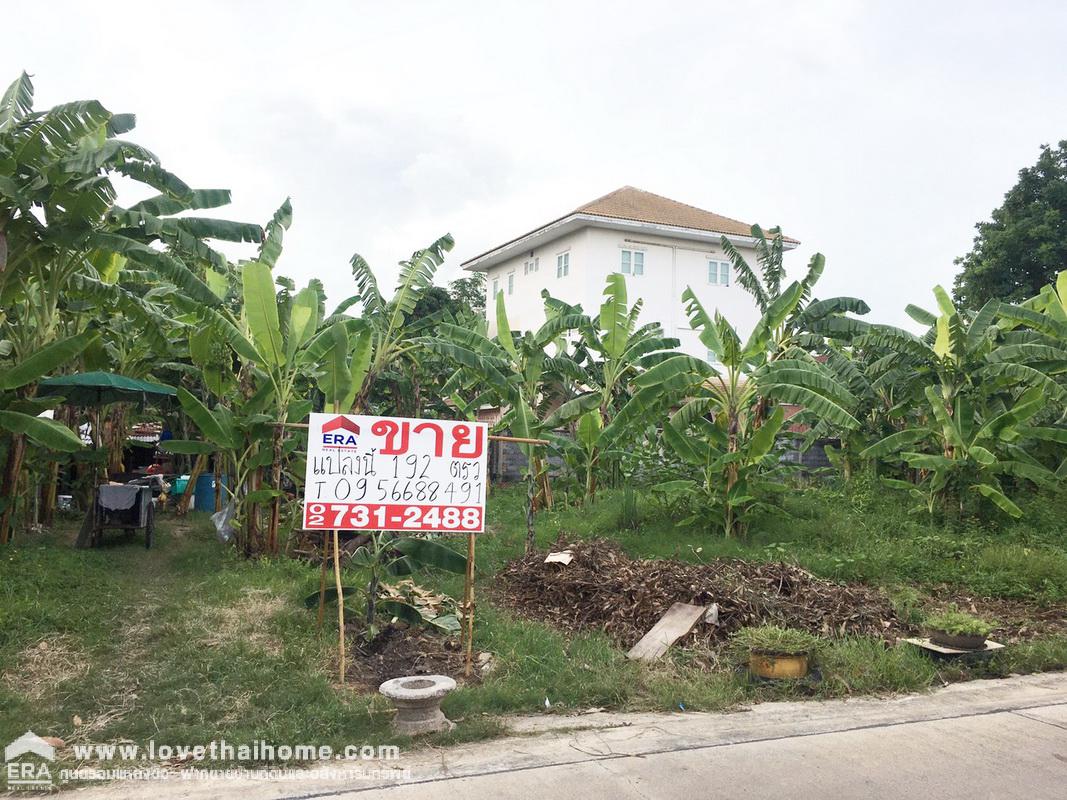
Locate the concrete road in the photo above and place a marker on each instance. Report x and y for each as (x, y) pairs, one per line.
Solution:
(984, 739)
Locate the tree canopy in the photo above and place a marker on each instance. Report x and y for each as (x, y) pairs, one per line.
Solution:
(1025, 244)
(469, 292)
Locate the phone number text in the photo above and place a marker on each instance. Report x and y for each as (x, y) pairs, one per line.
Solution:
(392, 517)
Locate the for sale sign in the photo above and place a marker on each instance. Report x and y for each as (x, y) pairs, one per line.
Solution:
(395, 474)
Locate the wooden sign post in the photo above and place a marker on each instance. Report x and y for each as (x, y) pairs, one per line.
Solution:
(468, 610)
(340, 606)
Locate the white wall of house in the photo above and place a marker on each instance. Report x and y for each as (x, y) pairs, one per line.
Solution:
(669, 266)
(522, 286)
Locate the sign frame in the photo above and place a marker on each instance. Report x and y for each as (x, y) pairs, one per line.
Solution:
(396, 474)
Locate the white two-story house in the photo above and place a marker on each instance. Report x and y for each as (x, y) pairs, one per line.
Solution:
(660, 245)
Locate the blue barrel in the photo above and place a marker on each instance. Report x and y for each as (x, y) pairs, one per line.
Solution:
(204, 493)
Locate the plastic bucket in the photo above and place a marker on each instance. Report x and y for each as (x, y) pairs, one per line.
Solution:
(204, 493)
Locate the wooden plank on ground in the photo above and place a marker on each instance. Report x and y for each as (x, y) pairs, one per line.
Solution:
(672, 626)
(926, 644)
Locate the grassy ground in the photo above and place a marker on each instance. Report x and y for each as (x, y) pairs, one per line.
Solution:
(857, 533)
(188, 643)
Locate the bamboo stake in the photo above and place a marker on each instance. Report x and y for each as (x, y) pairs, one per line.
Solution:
(252, 513)
(337, 578)
(322, 580)
(531, 498)
(468, 602)
(340, 606)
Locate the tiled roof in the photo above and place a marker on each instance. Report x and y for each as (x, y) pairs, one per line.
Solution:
(638, 205)
(642, 206)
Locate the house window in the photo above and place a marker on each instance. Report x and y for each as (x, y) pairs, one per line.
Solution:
(530, 265)
(511, 283)
(633, 262)
(719, 273)
(563, 265)
(496, 286)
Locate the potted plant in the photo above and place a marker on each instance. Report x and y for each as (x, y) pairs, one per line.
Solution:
(953, 628)
(776, 653)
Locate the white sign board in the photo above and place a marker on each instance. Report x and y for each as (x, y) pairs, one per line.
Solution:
(395, 474)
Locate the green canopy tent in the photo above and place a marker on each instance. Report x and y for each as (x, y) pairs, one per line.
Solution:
(98, 389)
(92, 389)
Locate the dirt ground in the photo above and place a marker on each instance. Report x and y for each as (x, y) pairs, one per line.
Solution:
(604, 589)
(400, 650)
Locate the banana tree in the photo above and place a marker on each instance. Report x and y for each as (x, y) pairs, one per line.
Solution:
(519, 372)
(971, 451)
(950, 356)
(60, 229)
(875, 383)
(583, 453)
(753, 469)
(392, 339)
(618, 350)
(722, 409)
(1034, 347)
(280, 347)
(809, 320)
(1034, 353)
(271, 335)
(20, 414)
(338, 358)
(766, 288)
(63, 239)
(238, 439)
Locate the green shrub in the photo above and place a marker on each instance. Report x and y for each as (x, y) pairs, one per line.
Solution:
(775, 640)
(957, 623)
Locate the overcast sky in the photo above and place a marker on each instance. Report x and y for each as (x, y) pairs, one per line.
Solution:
(876, 133)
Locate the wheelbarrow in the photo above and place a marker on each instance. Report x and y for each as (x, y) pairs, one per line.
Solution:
(128, 507)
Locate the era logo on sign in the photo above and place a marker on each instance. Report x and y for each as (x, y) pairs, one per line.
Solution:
(340, 432)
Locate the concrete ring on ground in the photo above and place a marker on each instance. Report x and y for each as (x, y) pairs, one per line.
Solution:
(418, 703)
